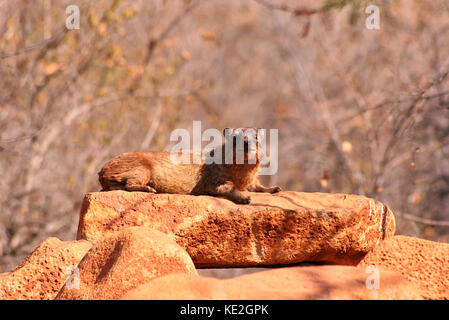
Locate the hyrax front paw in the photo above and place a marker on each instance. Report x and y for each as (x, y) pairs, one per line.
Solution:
(276, 189)
(243, 200)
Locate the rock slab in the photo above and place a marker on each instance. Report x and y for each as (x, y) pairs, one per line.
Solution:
(275, 229)
(302, 283)
(122, 261)
(43, 273)
(425, 263)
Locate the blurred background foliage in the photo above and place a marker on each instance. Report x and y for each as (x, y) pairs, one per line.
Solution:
(358, 111)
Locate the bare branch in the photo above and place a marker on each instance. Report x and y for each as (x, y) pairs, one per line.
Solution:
(431, 222)
(154, 42)
(294, 11)
(45, 43)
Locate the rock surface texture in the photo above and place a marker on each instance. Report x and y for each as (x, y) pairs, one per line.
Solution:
(318, 282)
(275, 229)
(121, 261)
(43, 273)
(425, 263)
(134, 245)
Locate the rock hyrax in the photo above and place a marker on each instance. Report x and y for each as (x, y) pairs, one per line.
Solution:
(155, 172)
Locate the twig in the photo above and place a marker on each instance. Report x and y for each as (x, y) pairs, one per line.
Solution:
(425, 220)
(393, 101)
(154, 42)
(153, 128)
(45, 43)
(403, 124)
(294, 11)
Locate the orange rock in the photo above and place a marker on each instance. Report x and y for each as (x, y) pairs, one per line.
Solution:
(425, 263)
(123, 260)
(278, 229)
(43, 273)
(304, 283)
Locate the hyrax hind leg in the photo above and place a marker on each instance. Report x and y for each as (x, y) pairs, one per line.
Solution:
(258, 187)
(134, 185)
(229, 192)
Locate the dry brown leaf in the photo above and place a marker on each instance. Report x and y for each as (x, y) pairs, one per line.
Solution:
(185, 55)
(171, 42)
(346, 146)
(207, 35)
(102, 28)
(51, 68)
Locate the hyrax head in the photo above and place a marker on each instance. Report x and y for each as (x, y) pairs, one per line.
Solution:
(245, 143)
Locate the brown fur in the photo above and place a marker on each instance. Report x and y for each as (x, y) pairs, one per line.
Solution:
(155, 172)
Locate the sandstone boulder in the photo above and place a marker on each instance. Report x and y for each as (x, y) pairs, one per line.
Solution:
(43, 273)
(311, 283)
(122, 261)
(425, 263)
(275, 229)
